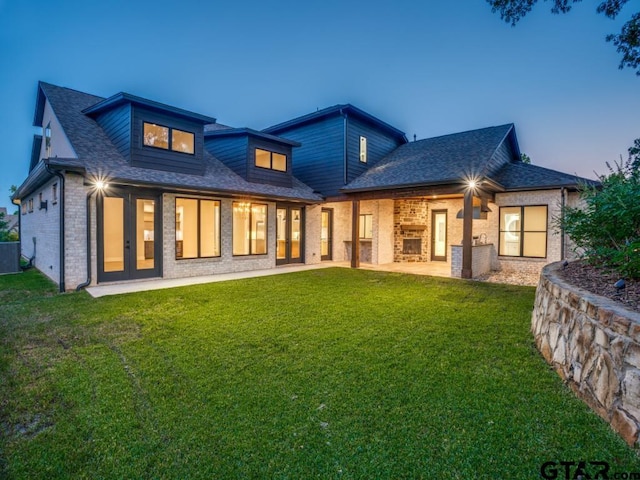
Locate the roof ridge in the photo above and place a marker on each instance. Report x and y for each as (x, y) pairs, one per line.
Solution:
(511, 124)
(75, 90)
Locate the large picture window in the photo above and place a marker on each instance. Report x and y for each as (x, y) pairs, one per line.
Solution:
(271, 160)
(167, 138)
(197, 228)
(523, 231)
(249, 228)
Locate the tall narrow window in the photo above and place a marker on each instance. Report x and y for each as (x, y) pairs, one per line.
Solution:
(197, 228)
(47, 140)
(523, 231)
(366, 226)
(54, 193)
(363, 149)
(249, 228)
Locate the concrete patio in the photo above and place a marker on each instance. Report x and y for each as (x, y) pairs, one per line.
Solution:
(439, 269)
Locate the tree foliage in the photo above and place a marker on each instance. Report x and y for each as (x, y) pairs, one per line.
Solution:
(607, 229)
(5, 234)
(627, 42)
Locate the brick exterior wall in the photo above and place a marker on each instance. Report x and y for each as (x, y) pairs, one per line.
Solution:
(75, 239)
(227, 262)
(43, 226)
(551, 198)
(312, 227)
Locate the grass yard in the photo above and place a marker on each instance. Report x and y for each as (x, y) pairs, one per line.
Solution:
(330, 373)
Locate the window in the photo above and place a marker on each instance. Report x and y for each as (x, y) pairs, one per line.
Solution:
(249, 228)
(271, 160)
(166, 138)
(47, 140)
(23, 208)
(54, 193)
(366, 226)
(30, 205)
(197, 228)
(363, 149)
(523, 231)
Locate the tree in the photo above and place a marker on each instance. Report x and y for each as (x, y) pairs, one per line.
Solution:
(5, 234)
(525, 158)
(607, 229)
(627, 42)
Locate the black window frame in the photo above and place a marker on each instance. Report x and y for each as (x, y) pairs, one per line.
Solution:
(361, 232)
(170, 139)
(266, 228)
(271, 152)
(199, 233)
(522, 231)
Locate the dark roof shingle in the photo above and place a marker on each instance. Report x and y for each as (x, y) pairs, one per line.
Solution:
(99, 157)
(438, 160)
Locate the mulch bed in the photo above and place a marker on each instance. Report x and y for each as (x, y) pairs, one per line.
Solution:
(600, 281)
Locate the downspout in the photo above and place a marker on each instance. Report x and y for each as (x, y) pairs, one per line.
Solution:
(62, 259)
(87, 282)
(562, 234)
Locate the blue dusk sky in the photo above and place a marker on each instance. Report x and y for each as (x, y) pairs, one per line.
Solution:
(428, 68)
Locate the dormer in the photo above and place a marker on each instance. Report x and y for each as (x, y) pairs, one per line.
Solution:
(153, 135)
(256, 156)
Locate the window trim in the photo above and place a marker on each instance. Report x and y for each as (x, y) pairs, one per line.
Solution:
(523, 231)
(361, 234)
(199, 232)
(266, 228)
(363, 149)
(271, 152)
(169, 140)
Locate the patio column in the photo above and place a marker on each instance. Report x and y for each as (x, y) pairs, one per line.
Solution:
(467, 234)
(355, 234)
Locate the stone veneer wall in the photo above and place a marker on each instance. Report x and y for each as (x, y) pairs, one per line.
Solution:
(594, 345)
(405, 213)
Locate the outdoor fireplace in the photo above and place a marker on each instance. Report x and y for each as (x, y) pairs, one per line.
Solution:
(412, 246)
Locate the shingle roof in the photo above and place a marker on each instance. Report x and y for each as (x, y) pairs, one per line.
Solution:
(523, 176)
(434, 161)
(98, 156)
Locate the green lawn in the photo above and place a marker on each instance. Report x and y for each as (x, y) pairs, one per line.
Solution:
(330, 373)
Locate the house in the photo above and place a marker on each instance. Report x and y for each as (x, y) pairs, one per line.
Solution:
(12, 225)
(125, 188)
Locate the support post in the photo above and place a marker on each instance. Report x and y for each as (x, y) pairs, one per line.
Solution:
(467, 235)
(355, 234)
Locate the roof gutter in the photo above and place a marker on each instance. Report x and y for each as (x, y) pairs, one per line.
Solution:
(62, 246)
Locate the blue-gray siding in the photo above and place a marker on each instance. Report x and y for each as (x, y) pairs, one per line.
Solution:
(149, 157)
(265, 175)
(379, 144)
(116, 124)
(232, 151)
(319, 162)
(36, 148)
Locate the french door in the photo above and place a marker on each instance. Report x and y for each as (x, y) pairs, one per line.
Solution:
(289, 234)
(129, 235)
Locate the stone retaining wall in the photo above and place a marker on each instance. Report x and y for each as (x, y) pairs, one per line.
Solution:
(594, 345)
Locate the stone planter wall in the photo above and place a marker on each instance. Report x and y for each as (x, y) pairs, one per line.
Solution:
(594, 345)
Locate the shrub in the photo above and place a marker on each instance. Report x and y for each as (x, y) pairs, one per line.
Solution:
(606, 230)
